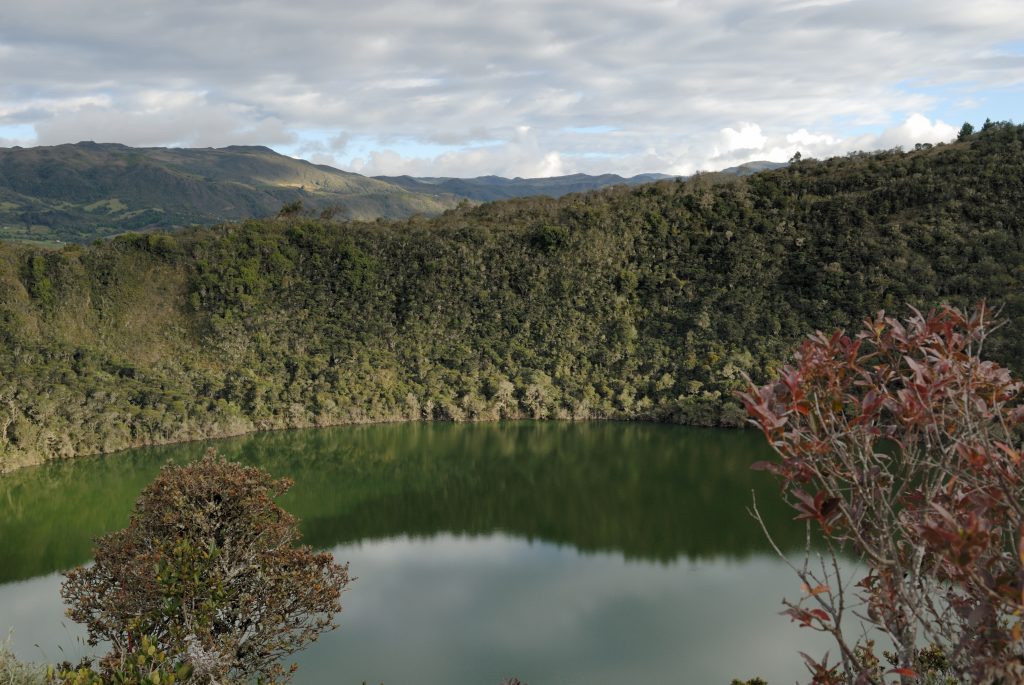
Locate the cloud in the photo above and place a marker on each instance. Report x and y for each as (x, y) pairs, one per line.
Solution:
(521, 153)
(639, 80)
(805, 137)
(339, 142)
(749, 144)
(749, 137)
(164, 118)
(16, 142)
(916, 129)
(19, 111)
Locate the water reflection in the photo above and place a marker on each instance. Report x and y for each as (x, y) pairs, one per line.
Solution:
(473, 610)
(645, 491)
(487, 608)
(557, 552)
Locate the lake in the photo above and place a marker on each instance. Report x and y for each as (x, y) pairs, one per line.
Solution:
(560, 553)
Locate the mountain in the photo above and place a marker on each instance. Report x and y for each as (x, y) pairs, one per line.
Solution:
(489, 188)
(76, 193)
(757, 167)
(84, 191)
(630, 302)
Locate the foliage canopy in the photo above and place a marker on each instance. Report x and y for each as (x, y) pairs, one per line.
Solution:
(208, 573)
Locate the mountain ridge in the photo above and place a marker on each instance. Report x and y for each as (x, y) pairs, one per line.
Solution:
(77, 192)
(491, 187)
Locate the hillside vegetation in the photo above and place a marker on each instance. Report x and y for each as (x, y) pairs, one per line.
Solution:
(76, 193)
(490, 188)
(631, 303)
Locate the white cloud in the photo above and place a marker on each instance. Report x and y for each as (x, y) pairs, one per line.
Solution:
(642, 80)
(521, 153)
(755, 146)
(14, 110)
(916, 129)
(749, 137)
(552, 165)
(175, 119)
(806, 138)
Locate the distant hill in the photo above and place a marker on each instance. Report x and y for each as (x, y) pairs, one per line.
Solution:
(753, 168)
(489, 188)
(76, 193)
(84, 191)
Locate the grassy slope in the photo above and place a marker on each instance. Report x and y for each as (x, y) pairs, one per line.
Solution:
(76, 193)
(645, 302)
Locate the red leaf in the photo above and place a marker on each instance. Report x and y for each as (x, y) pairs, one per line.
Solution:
(905, 671)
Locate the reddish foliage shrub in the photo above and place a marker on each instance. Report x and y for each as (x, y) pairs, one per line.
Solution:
(207, 572)
(899, 445)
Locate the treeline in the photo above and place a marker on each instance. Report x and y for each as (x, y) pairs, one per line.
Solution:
(629, 303)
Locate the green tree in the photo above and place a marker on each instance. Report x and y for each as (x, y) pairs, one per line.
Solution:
(965, 131)
(40, 284)
(207, 572)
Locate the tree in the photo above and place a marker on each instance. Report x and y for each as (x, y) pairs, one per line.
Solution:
(293, 208)
(900, 444)
(965, 131)
(207, 572)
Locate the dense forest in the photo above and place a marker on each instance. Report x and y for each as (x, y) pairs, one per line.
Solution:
(645, 302)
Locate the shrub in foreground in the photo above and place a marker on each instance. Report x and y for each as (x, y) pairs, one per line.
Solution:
(899, 444)
(206, 581)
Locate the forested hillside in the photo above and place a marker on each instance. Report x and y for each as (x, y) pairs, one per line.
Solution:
(637, 303)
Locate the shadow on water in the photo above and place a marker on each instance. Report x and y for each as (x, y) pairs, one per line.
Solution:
(647, 491)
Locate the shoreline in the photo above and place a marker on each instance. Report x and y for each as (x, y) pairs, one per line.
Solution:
(7, 468)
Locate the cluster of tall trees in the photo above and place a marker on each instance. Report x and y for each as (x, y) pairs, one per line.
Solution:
(648, 302)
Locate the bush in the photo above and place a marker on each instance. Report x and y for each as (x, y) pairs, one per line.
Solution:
(147, 665)
(14, 672)
(207, 575)
(900, 445)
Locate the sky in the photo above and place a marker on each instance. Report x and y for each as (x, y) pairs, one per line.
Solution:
(515, 88)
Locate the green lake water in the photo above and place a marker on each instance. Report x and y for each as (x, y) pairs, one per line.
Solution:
(560, 553)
